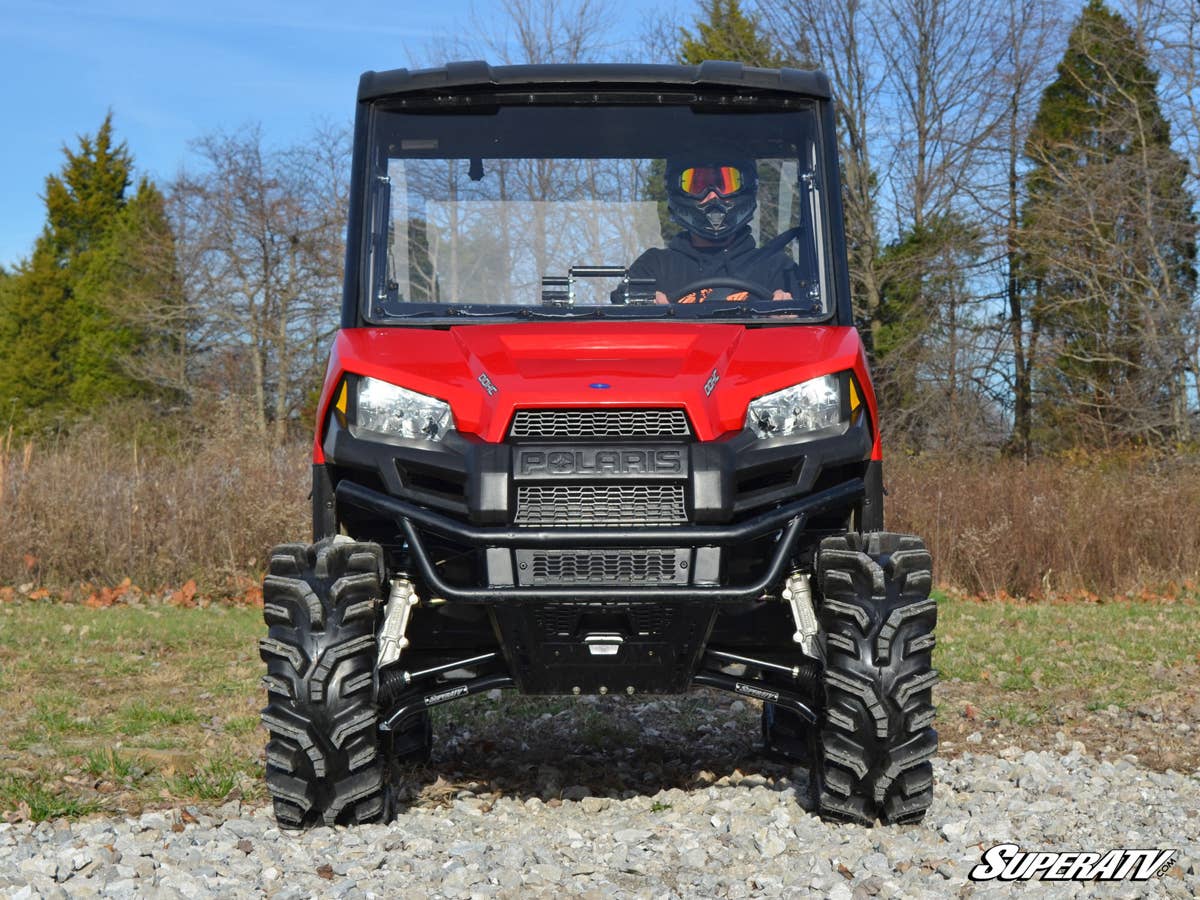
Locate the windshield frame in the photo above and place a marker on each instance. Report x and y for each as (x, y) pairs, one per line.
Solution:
(829, 239)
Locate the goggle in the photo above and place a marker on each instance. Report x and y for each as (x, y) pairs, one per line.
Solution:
(699, 180)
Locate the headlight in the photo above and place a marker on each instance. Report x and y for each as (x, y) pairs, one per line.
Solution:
(392, 411)
(809, 406)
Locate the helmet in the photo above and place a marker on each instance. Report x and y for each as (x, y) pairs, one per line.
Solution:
(690, 181)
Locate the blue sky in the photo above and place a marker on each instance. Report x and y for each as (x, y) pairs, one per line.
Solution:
(171, 72)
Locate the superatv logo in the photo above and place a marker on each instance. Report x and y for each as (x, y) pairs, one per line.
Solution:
(1008, 862)
(600, 462)
(757, 693)
(443, 696)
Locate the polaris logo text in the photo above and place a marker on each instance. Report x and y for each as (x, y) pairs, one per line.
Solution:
(1008, 862)
(626, 461)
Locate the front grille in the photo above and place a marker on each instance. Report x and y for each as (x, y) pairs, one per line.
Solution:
(581, 506)
(634, 567)
(559, 620)
(599, 423)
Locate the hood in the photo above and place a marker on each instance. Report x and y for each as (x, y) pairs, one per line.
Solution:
(485, 372)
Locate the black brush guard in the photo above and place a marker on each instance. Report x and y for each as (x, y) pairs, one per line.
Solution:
(669, 661)
(789, 518)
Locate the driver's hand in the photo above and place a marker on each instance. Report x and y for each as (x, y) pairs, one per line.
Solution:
(661, 298)
(781, 295)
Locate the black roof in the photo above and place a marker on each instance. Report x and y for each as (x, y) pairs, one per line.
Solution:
(712, 73)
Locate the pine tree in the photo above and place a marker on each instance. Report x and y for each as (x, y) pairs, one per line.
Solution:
(1108, 243)
(922, 333)
(726, 32)
(66, 320)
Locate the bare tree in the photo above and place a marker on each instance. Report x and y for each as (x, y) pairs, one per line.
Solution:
(840, 38)
(514, 32)
(1031, 42)
(260, 246)
(919, 96)
(1170, 32)
(1109, 235)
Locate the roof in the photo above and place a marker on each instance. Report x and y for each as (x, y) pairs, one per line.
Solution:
(475, 74)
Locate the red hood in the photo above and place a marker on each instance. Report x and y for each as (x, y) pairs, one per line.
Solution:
(574, 364)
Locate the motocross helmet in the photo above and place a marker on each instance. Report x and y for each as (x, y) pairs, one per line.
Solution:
(713, 198)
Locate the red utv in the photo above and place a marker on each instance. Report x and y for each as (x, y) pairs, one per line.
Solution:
(597, 421)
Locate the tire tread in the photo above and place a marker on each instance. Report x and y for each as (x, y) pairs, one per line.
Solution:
(319, 603)
(877, 738)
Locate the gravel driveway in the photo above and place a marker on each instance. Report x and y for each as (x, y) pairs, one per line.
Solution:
(562, 804)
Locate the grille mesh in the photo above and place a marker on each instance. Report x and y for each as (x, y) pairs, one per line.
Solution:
(602, 567)
(640, 619)
(599, 423)
(581, 506)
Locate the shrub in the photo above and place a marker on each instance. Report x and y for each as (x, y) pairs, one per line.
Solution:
(1106, 523)
(205, 502)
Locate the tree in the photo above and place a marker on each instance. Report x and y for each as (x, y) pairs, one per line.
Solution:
(917, 99)
(930, 349)
(1171, 31)
(69, 337)
(725, 32)
(260, 243)
(516, 32)
(1025, 64)
(1108, 246)
(840, 37)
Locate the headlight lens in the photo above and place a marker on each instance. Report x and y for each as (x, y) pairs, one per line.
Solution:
(386, 409)
(809, 406)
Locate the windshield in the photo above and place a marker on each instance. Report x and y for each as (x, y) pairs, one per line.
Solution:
(566, 209)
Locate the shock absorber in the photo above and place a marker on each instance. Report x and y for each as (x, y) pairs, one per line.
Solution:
(402, 598)
(797, 592)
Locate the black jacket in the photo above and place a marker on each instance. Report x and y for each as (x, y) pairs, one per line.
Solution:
(680, 263)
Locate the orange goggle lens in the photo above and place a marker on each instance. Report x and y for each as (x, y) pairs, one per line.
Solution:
(699, 180)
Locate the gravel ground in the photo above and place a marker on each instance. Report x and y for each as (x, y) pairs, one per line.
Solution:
(603, 820)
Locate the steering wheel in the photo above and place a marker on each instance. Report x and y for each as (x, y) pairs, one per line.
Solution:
(752, 288)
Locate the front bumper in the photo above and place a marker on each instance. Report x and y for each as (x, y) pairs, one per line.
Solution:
(697, 542)
(745, 512)
(589, 603)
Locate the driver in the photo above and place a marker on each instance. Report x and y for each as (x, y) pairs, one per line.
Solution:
(714, 201)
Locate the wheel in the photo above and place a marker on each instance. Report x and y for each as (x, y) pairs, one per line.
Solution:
(322, 604)
(878, 620)
(752, 288)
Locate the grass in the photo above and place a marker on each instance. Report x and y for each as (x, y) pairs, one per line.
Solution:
(213, 781)
(113, 765)
(38, 802)
(162, 706)
(140, 717)
(1110, 653)
(122, 708)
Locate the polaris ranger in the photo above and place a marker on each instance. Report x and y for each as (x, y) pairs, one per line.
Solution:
(597, 421)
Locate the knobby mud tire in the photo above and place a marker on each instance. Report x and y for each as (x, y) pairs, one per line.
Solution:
(322, 604)
(878, 619)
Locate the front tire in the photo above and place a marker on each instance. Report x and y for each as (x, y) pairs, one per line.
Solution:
(878, 620)
(322, 604)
